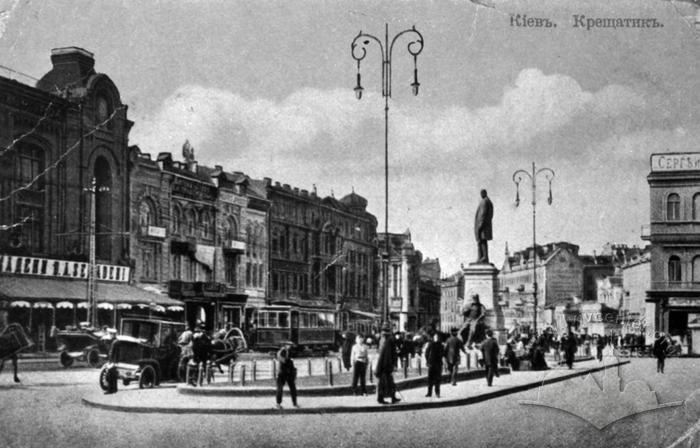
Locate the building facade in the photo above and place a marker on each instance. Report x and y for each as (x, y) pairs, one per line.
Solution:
(451, 302)
(674, 233)
(322, 253)
(64, 153)
(403, 280)
(429, 293)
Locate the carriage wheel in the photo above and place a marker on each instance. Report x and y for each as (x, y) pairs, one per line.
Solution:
(93, 358)
(147, 379)
(104, 384)
(66, 360)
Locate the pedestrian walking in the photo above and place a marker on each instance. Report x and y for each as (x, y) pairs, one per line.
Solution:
(453, 347)
(490, 351)
(569, 346)
(600, 345)
(386, 363)
(433, 357)
(286, 373)
(359, 358)
(660, 349)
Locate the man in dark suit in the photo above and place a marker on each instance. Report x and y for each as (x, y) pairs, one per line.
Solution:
(659, 349)
(491, 352)
(453, 346)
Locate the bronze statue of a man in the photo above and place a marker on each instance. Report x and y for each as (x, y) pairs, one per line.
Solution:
(482, 227)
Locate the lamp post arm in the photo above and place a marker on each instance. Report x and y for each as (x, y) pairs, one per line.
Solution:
(548, 173)
(414, 47)
(358, 49)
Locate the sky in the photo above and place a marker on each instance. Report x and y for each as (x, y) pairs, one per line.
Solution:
(265, 87)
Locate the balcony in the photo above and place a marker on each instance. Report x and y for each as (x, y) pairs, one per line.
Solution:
(646, 232)
(234, 245)
(675, 286)
(152, 231)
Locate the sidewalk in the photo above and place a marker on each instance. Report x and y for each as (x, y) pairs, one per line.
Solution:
(174, 401)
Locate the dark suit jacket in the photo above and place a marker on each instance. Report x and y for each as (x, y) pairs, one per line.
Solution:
(491, 351)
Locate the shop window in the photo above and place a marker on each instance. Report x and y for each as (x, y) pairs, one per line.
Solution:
(696, 207)
(696, 269)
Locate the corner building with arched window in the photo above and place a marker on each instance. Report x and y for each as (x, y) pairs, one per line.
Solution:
(674, 233)
(56, 137)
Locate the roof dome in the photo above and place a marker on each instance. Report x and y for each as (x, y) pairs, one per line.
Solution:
(354, 200)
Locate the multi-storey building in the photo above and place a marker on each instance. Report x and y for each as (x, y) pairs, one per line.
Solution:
(429, 292)
(636, 281)
(56, 139)
(451, 302)
(200, 234)
(322, 252)
(674, 233)
(403, 280)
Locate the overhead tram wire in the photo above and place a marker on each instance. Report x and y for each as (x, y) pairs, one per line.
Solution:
(61, 157)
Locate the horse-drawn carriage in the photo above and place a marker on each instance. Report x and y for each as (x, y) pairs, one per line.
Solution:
(84, 344)
(147, 352)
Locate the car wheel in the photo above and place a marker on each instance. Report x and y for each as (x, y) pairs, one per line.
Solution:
(147, 379)
(93, 359)
(104, 384)
(126, 382)
(66, 360)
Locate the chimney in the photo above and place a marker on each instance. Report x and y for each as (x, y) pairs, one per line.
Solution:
(192, 166)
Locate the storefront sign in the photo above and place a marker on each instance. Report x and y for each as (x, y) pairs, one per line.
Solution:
(683, 301)
(675, 161)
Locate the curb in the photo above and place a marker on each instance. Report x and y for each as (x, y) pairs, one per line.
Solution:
(351, 409)
(345, 389)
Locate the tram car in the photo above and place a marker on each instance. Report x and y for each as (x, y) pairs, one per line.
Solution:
(307, 328)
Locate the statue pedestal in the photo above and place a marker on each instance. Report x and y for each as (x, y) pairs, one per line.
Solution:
(482, 279)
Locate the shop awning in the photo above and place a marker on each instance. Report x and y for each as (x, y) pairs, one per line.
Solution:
(20, 304)
(66, 305)
(176, 308)
(123, 306)
(31, 290)
(105, 306)
(42, 305)
(365, 314)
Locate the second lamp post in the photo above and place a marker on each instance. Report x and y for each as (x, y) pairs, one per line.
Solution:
(518, 177)
(359, 51)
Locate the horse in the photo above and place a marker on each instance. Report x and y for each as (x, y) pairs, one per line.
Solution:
(12, 340)
(223, 349)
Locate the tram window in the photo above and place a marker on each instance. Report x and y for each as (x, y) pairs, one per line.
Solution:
(331, 319)
(304, 320)
(295, 320)
(272, 320)
(262, 318)
(284, 320)
(313, 320)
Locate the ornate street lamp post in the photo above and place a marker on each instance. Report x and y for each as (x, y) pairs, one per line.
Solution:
(359, 51)
(518, 177)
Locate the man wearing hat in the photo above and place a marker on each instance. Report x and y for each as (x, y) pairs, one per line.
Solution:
(386, 363)
(452, 348)
(286, 373)
(3, 324)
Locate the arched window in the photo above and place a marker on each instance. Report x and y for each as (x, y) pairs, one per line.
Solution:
(30, 164)
(696, 207)
(231, 231)
(177, 219)
(696, 269)
(673, 207)
(206, 224)
(103, 208)
(146, 215)
(191, 222)
(674, 269)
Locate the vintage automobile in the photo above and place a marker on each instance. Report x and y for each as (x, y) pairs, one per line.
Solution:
(83, 344)
(146, 352)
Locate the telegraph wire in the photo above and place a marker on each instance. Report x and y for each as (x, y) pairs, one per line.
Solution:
(60, 158)
(11, 146)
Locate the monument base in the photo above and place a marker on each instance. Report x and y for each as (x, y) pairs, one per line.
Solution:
(482, 279)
